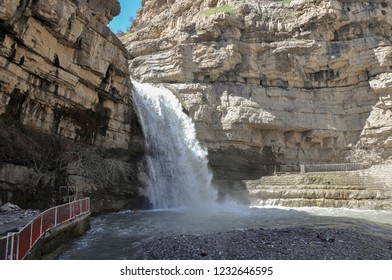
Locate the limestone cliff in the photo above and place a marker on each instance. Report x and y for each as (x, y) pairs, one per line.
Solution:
(63, 71)
(272, 81)
(63, 75)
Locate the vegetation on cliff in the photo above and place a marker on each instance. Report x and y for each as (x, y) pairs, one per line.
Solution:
(224, 8)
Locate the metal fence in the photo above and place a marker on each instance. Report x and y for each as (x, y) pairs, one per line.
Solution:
(15, 246)
(333, 167)
(288, 169)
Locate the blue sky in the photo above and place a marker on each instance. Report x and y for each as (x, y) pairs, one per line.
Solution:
(128, 9)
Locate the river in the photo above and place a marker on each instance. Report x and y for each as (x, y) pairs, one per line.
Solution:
(118, 236)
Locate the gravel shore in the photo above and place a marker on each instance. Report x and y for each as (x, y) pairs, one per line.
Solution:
(271, 244)
(12, 220)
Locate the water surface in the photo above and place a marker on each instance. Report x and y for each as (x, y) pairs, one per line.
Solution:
(119, 235)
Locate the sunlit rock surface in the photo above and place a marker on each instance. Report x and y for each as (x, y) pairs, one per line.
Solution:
(64, 78)
(64, 72)
(268, 82)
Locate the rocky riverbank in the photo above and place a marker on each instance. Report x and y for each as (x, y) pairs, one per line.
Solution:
(12, 217)
(272, 244)
(17, 215)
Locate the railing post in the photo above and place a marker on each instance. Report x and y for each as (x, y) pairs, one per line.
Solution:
(17, 246)
(31, 234)
(12, 247)
(55, 216)
(7, 247)
(40, 231)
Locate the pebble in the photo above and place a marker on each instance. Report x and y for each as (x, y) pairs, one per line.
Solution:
(271, 244)
(15, 215)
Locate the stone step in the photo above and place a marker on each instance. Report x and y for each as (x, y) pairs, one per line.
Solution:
(350, 198)
(310, 187)
(346, 179)
(324, 202)
(340, 189)
(346, 194)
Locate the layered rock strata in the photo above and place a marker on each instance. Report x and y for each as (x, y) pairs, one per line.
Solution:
(63, 71)
(341, 189)
(63, 74)
(272, 82)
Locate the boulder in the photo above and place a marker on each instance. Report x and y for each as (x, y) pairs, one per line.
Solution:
(9, 207)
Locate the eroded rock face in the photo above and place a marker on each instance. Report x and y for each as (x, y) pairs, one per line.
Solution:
(62, 71)
(268, 82)
(65, 88)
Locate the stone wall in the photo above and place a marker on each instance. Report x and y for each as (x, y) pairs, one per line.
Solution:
(268, 82)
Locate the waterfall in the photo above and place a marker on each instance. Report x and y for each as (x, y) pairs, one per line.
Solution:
(177, 163)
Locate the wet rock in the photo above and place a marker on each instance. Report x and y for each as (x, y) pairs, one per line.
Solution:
(325, 237)
(9, 207)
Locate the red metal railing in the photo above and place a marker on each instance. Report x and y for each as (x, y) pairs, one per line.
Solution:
(16, 245)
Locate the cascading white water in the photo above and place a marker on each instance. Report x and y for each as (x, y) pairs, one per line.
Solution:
(177, 163)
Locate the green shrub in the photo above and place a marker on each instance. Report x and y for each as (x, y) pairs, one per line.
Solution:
(224, 8)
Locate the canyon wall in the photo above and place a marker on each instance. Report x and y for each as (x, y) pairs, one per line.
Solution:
(273, 82)
(64, 88)
(266, 83)
(64, 72)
